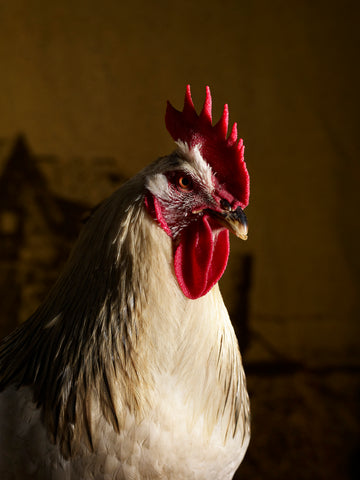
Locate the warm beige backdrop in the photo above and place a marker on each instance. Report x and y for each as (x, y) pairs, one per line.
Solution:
(90, 79)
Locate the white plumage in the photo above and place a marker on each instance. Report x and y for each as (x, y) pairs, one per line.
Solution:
(119, 375)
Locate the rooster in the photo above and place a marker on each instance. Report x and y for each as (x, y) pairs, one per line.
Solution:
(130, 369)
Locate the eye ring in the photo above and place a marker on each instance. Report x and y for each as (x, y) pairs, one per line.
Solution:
(185, 183)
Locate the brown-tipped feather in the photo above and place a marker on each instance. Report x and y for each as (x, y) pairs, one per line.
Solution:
(114, 322)
(82, 336)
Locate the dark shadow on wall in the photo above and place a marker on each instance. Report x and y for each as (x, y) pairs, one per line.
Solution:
(240, 313)
(37, 229)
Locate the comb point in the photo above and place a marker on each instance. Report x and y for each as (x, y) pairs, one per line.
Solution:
(206, 112)
(233, 135)
(241, 149)
(188, 103)
(222, 125)
(189, 111)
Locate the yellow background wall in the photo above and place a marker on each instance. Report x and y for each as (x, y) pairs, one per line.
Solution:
(88, 78)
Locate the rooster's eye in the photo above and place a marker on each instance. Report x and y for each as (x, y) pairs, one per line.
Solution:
(185, 183)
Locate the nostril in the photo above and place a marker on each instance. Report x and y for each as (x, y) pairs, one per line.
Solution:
(225, 205)
(240, 216)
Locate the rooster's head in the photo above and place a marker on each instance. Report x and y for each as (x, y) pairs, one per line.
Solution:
(197, 194)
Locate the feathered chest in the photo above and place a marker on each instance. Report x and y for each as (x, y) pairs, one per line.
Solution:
(190, 418)
(130, 375)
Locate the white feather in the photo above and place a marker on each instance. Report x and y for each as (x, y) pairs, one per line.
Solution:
(193, 155)
(188, 418)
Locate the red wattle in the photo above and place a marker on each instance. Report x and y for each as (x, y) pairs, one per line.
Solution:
(154, 208)
(201, 257)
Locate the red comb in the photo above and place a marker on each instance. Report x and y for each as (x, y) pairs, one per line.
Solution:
(224, 154)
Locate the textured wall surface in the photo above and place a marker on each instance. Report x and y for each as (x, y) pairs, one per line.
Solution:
(88, 80)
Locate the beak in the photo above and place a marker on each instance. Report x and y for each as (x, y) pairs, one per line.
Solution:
(234, 220)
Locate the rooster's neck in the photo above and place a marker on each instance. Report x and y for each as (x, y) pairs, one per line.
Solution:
(195, 347)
